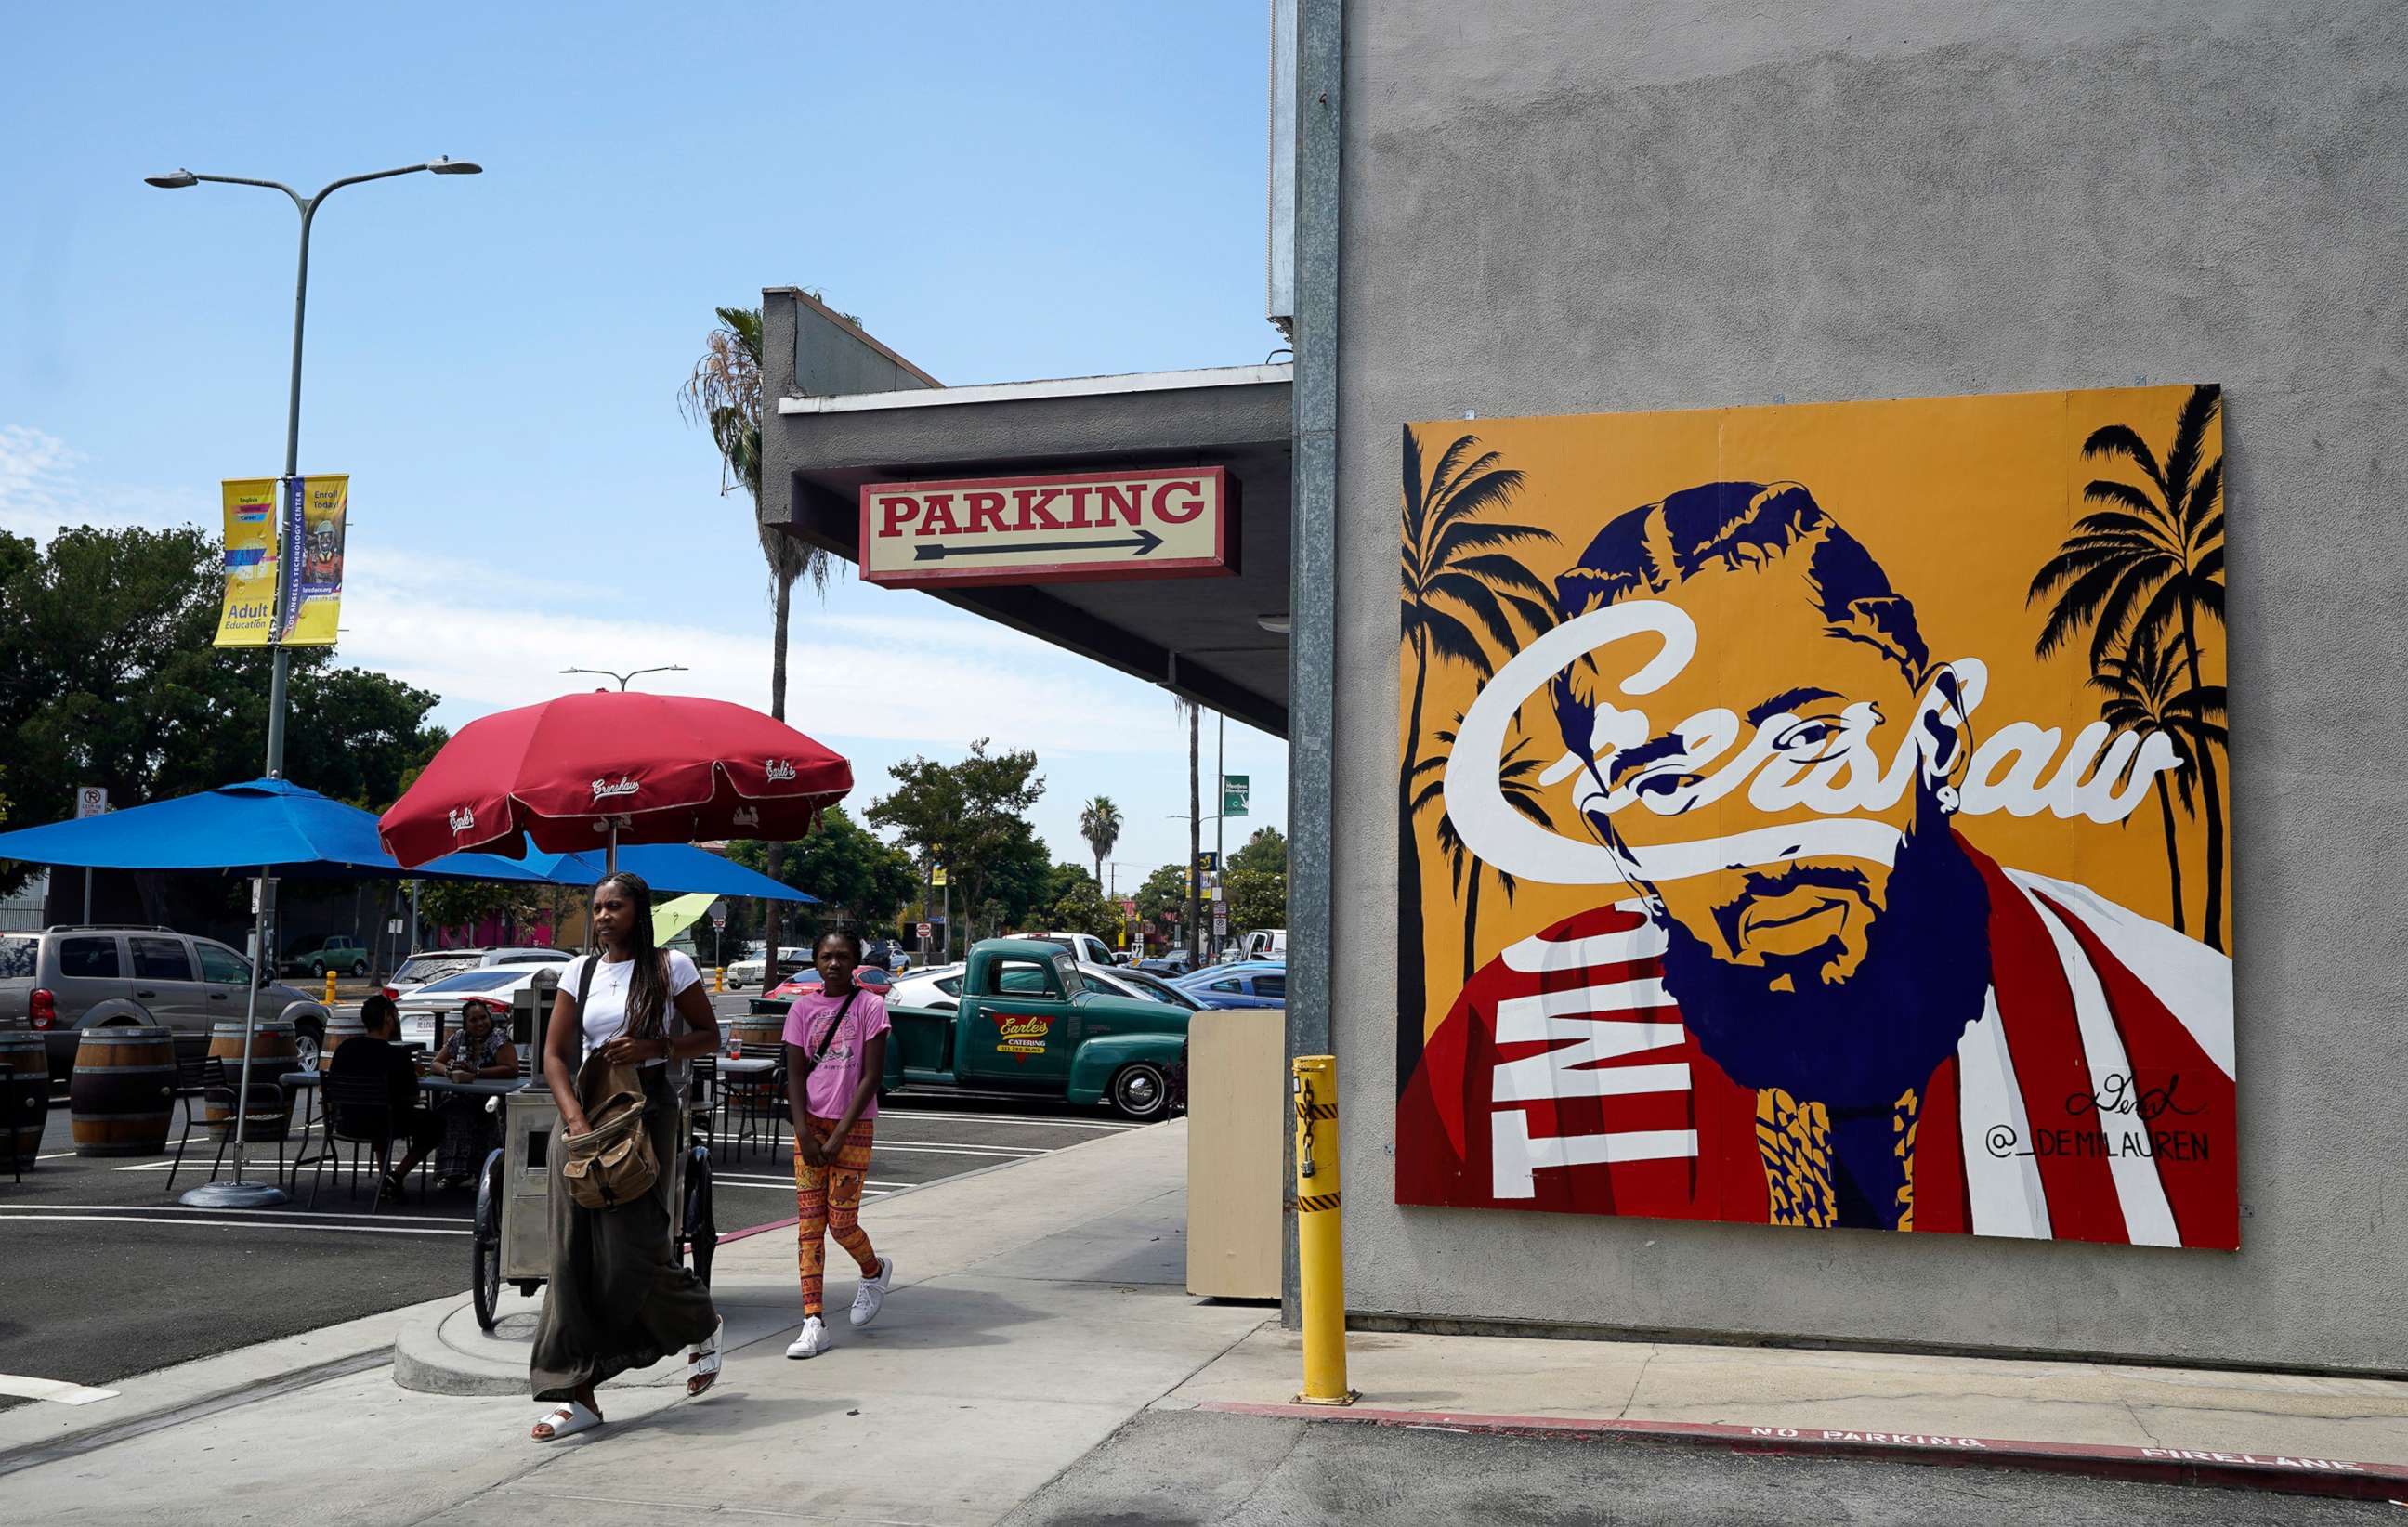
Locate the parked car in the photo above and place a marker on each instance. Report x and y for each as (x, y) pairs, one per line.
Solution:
(1265, 944)
(1169, 966)
(337, 952)
(1027, 1019)
(752, 969)
(946, 983)
(434, 965)
(869, 977)
(493, 986)
(1256, 985)
(1085, 947)
(69, 977)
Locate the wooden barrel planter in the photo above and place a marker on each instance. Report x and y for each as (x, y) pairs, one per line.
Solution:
(122, 1095)
(25, 1063)
(340, 1028)
(272, 1054)
(757, 1029)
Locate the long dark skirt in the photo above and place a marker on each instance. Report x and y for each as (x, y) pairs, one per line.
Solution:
(618, 1299)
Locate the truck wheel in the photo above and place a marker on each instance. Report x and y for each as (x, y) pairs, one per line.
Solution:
(360, 969)
(318, 968)
(1140, 1091)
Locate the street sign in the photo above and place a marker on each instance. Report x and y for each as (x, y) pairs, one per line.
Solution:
(1220, 920)
(1059, 528)
(937, 877)
(719, 915)
(91, 801)
(1208, 861)
(1236, 789)
(927, 930)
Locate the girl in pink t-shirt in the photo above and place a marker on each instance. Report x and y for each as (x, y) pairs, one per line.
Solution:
(835, 1052)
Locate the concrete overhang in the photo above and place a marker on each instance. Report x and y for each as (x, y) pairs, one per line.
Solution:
(1204, 639)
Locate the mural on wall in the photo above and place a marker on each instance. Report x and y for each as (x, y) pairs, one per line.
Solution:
(1817, 816)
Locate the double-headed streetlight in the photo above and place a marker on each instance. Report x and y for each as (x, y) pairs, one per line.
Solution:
(238, 1193)
(633, 673)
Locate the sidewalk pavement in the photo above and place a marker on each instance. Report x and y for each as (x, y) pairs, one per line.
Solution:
(1039, 1311)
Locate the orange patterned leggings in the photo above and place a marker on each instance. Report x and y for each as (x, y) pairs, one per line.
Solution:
(827, 1200)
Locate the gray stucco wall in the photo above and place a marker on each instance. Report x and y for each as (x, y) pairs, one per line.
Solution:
(1558, 207)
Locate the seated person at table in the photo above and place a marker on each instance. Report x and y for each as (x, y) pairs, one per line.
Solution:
(479, 1049)
(374, 1053)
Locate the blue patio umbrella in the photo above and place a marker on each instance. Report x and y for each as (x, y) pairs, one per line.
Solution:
(668, 868)
(271, 824)
(265, 827)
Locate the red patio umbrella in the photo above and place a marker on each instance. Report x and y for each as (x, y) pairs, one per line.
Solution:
(614, 766)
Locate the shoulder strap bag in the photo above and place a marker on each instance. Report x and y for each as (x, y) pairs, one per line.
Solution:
(828, 1039)
(612, 1162)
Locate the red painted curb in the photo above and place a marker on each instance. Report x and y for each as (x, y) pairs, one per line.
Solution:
(755, 1230)
(2277, 1472)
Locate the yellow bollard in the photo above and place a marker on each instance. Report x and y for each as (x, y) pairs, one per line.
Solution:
(1321, 1264)
(718, 981)
(330, 988)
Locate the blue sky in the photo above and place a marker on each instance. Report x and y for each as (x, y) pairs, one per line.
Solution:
(1000, 192)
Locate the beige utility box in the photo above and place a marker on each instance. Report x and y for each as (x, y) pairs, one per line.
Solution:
(1237, 1136)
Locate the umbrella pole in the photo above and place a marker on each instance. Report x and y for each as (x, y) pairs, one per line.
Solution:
(238, 1194)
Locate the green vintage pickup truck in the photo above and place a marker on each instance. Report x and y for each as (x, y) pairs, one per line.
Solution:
(1027, 1022)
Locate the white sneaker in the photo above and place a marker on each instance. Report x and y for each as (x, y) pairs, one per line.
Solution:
(813, 1342)
(870, 1297)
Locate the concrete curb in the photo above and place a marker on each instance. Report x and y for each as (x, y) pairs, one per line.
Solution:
(2269, 1472)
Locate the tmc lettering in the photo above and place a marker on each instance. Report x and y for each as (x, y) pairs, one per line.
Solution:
(1075, 505)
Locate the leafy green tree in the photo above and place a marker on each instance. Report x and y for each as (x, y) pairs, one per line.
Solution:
(2142, 570)
(1164, 894)
(108, 676)
(969, 816)
(1257, 899)
(858, 877)
(1267, 851)
(1460, 573)
(1081, 909)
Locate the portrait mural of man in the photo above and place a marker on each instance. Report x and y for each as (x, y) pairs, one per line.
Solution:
(1829, 800)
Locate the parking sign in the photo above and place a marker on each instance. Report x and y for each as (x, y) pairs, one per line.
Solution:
(91, 801)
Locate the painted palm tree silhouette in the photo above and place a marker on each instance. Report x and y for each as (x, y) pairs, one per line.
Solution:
(1460, 579)
(1516, 779)
(2144, 567)
(2147, 689)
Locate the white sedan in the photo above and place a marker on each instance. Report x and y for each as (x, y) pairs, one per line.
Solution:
(753, 968)
(495, 986)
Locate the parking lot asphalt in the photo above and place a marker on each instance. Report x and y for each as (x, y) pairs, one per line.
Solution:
(110, 1277)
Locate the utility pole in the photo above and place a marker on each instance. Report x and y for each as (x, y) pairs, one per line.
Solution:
(1220, 822)
(1195, 838)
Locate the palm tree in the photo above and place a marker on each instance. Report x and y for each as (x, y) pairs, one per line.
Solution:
(2145, 566)
(1099, 823)
(2146, 692)
(723, 394)
(1454, 561)
(1514, 780)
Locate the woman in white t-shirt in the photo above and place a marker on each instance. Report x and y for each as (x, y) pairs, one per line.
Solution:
(618, 1298)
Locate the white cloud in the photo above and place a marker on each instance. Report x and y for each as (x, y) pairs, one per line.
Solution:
(487, 639)
(42, 487)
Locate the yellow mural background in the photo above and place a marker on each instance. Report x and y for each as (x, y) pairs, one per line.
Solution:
(1961, 500)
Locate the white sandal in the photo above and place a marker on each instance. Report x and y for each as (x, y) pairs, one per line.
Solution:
(567, 1421)
(704, 1364)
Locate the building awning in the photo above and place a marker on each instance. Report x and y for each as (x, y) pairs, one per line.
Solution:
(1219, 640)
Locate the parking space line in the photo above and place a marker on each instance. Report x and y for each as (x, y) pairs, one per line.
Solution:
(952, 1147)
(56, 1389)
(270, 1214)
(138, 1219)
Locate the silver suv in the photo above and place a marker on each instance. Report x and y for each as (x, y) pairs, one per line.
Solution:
(69, 977)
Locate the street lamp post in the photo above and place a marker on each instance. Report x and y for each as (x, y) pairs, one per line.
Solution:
(633, 673)
(238, 1193)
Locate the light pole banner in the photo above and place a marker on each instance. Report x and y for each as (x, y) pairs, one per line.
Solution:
(249, 609)
(315, 512)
